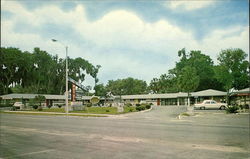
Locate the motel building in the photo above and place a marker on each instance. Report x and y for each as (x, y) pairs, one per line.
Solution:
(178, 99)
(165, 99)
(240, 97)
(52, 100)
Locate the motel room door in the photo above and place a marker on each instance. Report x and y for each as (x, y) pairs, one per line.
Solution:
(158, 102)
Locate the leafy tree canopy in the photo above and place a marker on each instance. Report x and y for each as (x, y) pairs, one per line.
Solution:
(188, 80)
(127, 86)
(233, 69)
(39, 72)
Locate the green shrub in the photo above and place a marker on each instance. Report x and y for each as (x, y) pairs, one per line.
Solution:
(35, 106)
(246, 106)
(138, 108)
(129, 109)
(148, 106)
(40, 108)
(13, 108)
(59, 105)
(88, 104)
(49, 106)
(143, 107)
(232, 109)
(137, 105)
(107, 110)
(6, 105)
(241, 106)
(128, 104)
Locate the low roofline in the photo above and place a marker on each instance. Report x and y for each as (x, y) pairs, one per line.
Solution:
(242, 91)
(204, 93)
(31, 96)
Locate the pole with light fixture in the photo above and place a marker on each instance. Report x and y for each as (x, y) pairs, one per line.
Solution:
(67, 92)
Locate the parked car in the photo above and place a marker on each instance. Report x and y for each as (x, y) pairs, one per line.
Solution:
(18, 105)
(210, 104)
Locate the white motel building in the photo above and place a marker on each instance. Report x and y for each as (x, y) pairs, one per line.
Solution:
(240, 97)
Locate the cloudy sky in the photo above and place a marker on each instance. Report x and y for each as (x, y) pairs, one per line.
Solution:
(138, 39)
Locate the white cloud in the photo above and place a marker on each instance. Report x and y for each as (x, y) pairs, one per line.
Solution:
(189, 5)
(219, 40)
(119, 41)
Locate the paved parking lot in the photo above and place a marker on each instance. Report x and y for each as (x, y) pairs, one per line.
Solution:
(154, 134)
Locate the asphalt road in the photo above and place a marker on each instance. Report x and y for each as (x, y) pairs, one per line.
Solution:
(155, 134)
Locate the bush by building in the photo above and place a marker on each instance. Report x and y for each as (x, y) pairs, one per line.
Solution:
(128, 104)
(34, 106)
(88, 104)
(232, 109)
(144, 106)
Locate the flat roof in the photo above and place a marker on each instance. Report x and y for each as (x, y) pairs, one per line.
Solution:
(204, 93)
(245, 90)
(155, 96)
(208, 92)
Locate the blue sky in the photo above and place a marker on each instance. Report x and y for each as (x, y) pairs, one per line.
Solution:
(128, 38)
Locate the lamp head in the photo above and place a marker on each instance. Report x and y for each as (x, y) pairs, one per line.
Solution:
(54, 40)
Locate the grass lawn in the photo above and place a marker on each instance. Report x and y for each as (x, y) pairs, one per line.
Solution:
(81, 115)
(90, 110)
(98, 110)
(129, 109)
(58, 110)
(105, 110)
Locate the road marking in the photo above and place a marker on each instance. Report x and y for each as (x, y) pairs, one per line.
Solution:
(31, 153)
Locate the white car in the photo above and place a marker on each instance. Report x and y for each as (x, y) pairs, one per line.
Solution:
(210, 104)
(18, 105)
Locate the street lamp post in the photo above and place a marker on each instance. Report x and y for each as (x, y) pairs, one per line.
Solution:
(66, 74)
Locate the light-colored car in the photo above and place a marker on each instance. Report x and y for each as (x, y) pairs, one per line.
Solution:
(210, 104)
(18, 105)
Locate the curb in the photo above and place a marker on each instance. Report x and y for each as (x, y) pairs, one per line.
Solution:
(56, 113)
(130, 113)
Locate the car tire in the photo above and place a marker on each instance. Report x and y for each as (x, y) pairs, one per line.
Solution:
(222, 107)
(202, 108)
